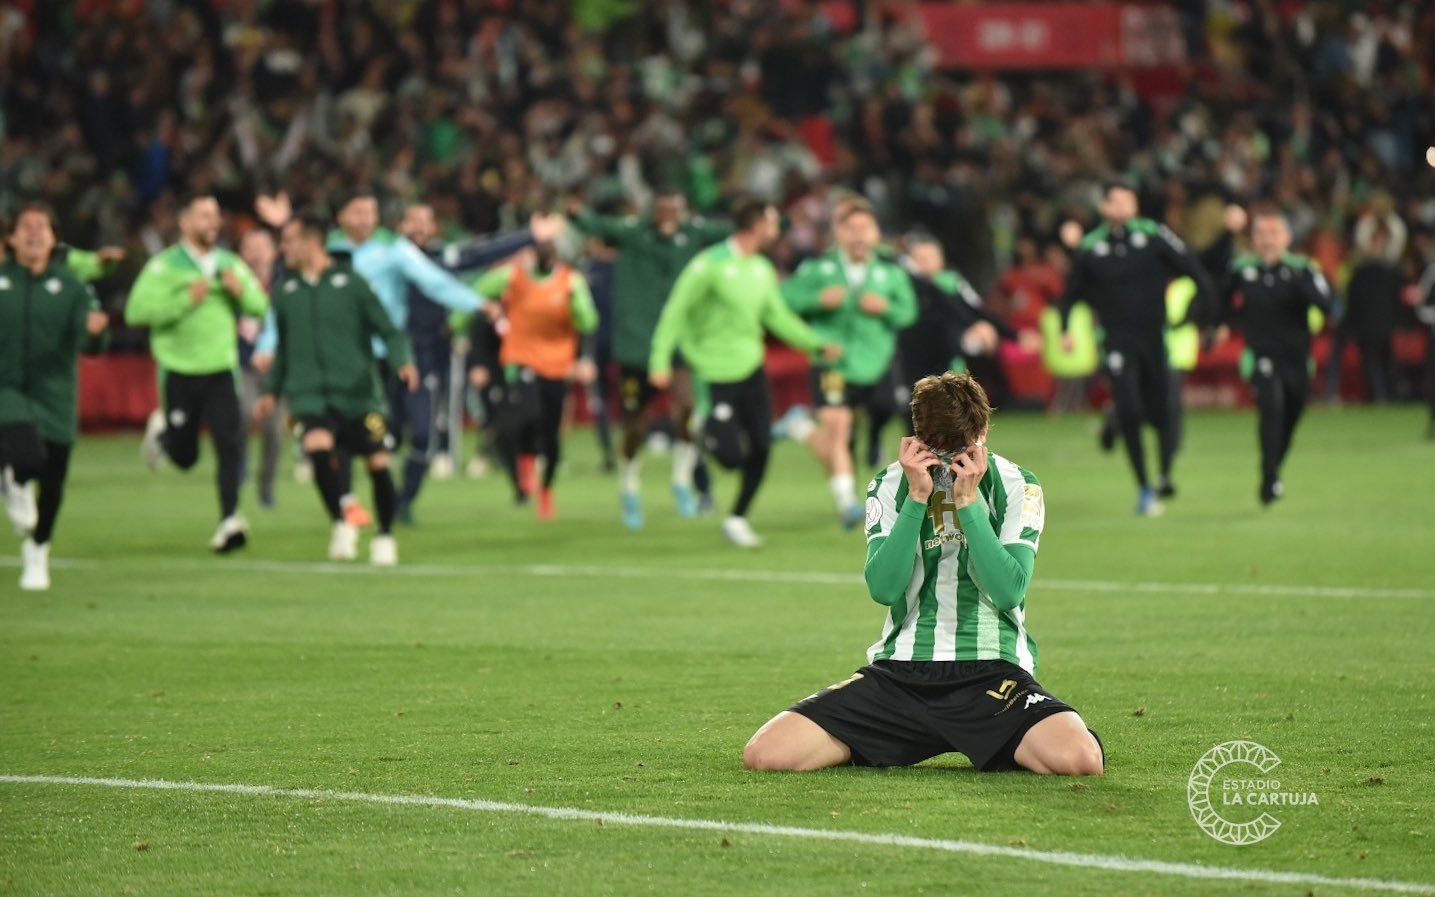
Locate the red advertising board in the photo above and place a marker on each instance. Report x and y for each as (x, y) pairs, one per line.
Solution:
(1043, 35)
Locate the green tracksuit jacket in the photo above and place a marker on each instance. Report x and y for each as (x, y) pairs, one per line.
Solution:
(648, 265)
(868, 341)
(42, 330)
(324, 362)
(186, 338)
(717, 313)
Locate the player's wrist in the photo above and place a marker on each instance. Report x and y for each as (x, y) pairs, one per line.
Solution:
(917, 495)
(968, 504)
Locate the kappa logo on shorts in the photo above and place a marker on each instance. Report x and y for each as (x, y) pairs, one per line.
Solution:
(1035, 698)
(177, 418)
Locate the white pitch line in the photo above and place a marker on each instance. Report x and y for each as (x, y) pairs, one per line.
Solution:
(801, 577)
(1108, 862)
(795, 577)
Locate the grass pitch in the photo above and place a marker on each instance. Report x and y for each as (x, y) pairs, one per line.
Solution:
(578, 665)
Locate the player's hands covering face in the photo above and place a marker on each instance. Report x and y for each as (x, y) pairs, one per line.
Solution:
(917, 460)
(968, 468)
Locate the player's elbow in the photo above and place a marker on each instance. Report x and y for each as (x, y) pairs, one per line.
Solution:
(884, 593)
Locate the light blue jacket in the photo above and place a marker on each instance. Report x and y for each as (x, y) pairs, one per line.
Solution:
(390, 263)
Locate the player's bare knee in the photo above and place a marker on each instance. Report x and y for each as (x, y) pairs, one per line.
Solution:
(757, 756)
(318, 441)
(1082, 758)
(378, 461)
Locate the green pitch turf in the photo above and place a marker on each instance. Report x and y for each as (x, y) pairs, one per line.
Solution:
(577, 665)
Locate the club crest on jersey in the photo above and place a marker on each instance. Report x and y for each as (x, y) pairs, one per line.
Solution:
(1249, 274)
(340, 280)
(874, 511)
(4, 283)
(53, 285)
(1138, 239)
(1101, 248)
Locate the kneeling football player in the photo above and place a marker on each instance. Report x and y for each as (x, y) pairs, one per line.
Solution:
(327, 319)
(952, 534)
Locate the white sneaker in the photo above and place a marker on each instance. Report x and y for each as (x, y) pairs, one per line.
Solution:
(233, 533)
(151, 449)
(384, 551)
(441, 467)
(303, 471)
(477, 468)
(19, 502)
(343, 542)
(35, 574)
(737, 531)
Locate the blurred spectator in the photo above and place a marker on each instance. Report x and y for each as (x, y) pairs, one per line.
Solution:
(1373, 296)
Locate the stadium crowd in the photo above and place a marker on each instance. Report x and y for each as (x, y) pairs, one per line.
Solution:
(140, 121)
(492, 109)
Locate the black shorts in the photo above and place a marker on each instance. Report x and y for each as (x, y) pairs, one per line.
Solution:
(367, 435)
(895, 713)
(832, 390)
(635, 392)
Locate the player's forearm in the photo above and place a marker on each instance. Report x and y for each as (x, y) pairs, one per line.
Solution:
(889, 561)
(1003, 575)
(484, 252)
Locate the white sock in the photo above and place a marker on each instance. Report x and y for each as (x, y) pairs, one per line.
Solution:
(629, 475)
(844, 490)
(685, 458)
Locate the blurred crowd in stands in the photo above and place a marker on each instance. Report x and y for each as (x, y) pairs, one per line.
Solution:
(493, 109)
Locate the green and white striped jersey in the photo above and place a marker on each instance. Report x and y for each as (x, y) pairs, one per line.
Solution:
(945, 614)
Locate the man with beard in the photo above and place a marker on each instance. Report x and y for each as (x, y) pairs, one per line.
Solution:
(191, 296)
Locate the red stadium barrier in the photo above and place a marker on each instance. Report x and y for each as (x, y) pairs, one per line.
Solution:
(117, 391)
